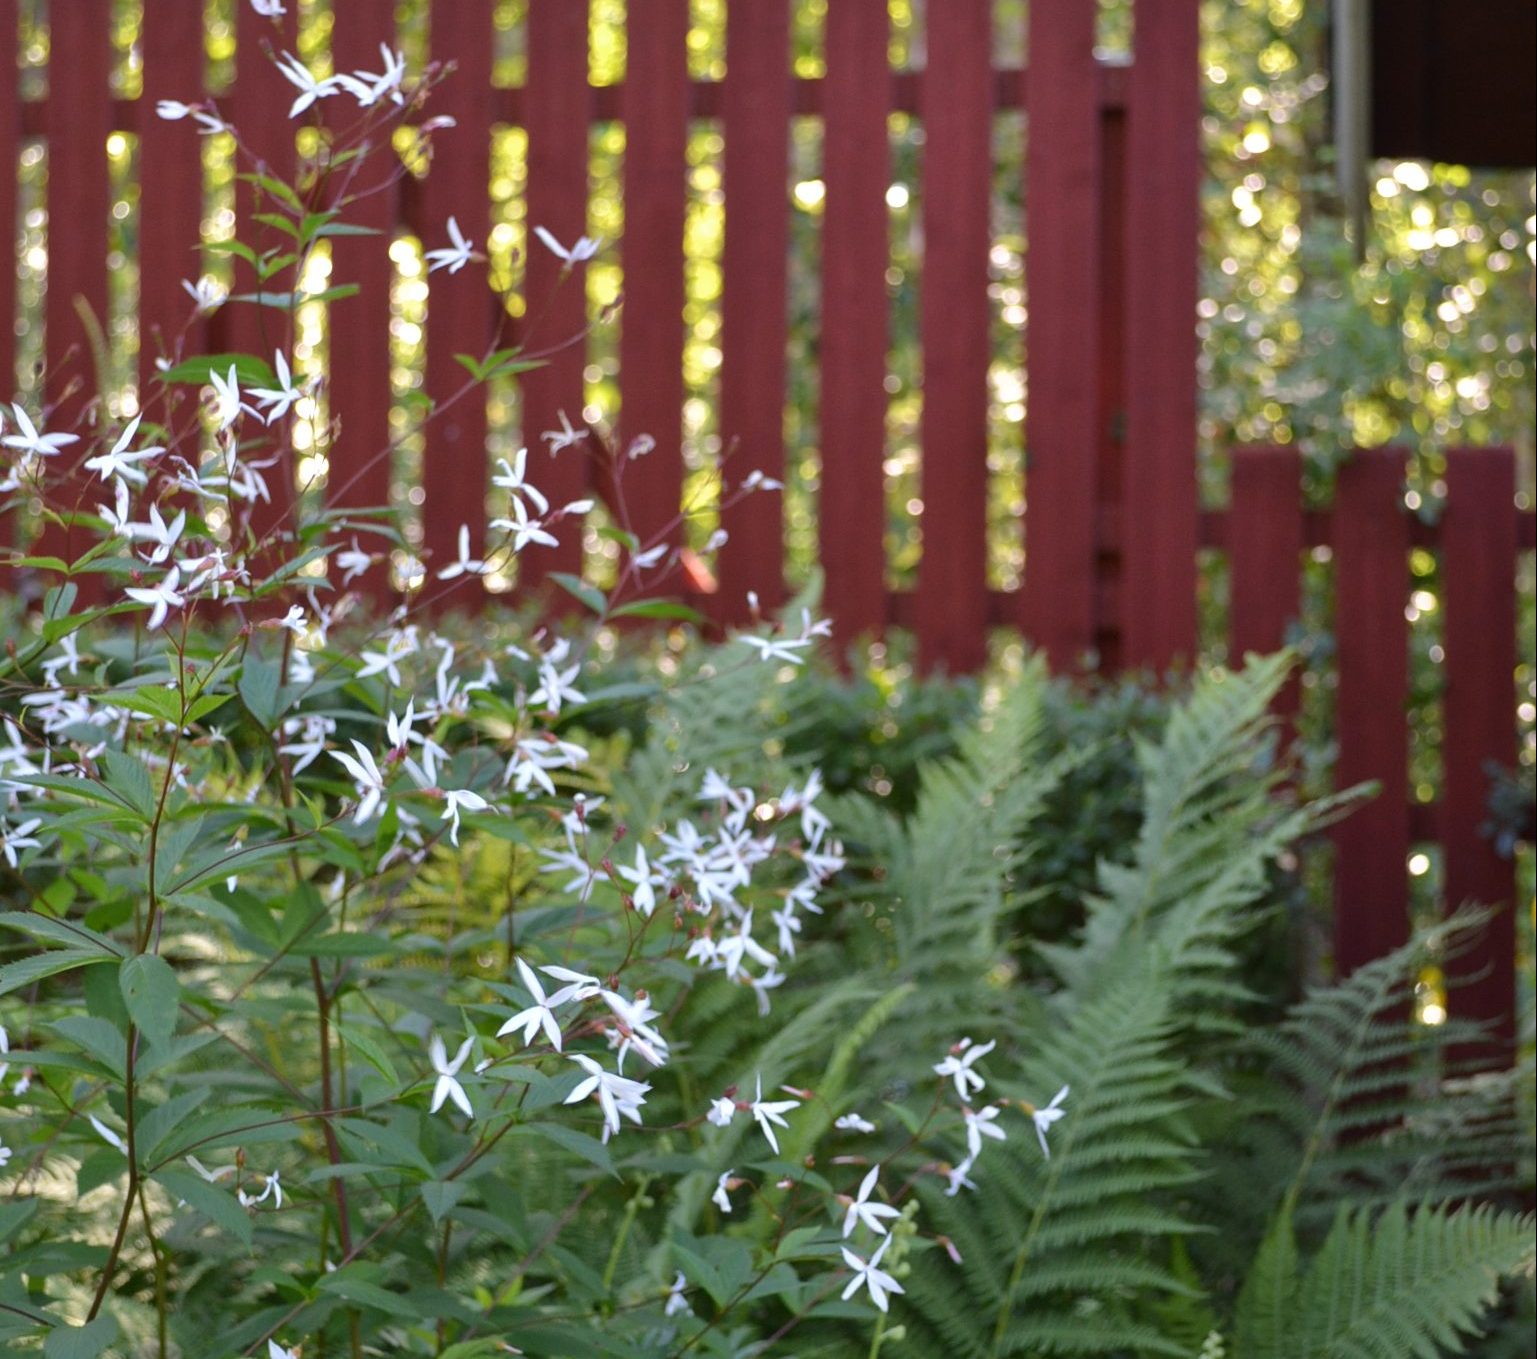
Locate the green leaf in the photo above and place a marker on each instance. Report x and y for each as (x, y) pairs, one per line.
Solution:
(216, 1204)
(80, 1342)
(370, 1052)
(440, 1196)
(68, 932)
(350, 1287)
(151, 992)
(589, 595)
(250, 371)
(346, 229)
(129, 779)
(25, 971)
(658, 608)
(261, 678)
(164, 1119)
(588, 1148)
(59, 600)
(14, 1215)
(99, 1038)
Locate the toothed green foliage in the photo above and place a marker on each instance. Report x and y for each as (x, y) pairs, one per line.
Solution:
(1098, 1249)
(1400, 1284)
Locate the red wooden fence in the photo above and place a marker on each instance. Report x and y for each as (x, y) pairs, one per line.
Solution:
(1112, 527)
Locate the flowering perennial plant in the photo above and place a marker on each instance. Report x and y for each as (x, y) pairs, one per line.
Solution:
(348, 998)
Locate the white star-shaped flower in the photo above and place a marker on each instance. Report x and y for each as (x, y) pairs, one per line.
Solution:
(869, 1275)
(769, 1114)
(30, 441)
(454, 257)
(447, 1086)
(583, 249)
(1044, 1118)
(539, 1015)
(863, 1209)
(118, 461)
(957, 1064)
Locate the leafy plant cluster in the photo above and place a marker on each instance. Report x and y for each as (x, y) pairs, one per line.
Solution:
(374, 985)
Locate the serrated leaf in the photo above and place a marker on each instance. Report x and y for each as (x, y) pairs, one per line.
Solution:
(25, 971)
(588, 1148)
(218, 1205)
(99, 1038)
(261, 678)
(71, 933)
(589, 595)
(440, 1196)
(164, 1119)
(151, 993)
(370, 1052)
(250, 371)
(80, 1342)
(128, 778)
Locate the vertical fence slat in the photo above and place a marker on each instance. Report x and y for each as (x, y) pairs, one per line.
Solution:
(556, 107)
(1163, 223)
(754, 304)
(260, 100)
(360, 326)
(459, 309)
(1371, 546)
(956, 315)
(79, 121)
(1264, 551)
(10, 123)
(1478, 566)
(656, 107)
(1062, 341)
(1109, 423)
(855, 321)
(171, 162)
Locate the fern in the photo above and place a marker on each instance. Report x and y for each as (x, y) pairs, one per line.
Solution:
(1383, 1286)
(1358, 1103)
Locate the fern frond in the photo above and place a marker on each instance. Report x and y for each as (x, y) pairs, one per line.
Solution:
(1402, 1284)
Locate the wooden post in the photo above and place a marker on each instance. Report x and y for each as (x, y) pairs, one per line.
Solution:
(1160, 515)
(259, 109)
(171, 211)
(754, 301)
(1264, 553)
(855, 318)
(360, 396)
(957, 198)
(1371, 547)
(557, 117)
(79, 120)
(656, 110)
(1478, 566)
(460, 309)
(1062, 278)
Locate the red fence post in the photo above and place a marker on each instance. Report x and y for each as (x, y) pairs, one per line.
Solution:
(10, 126)
(79, 120)
(1265, 543)
(1478, 566)
(1371, 546)
(855, 317)
(260, 102)
(1160, 510)
(170, 160)
(951, 609)
(556, 115)
(1062, 278)
(656, 109)
(360, 395)
(460, 310)
(754, 302)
